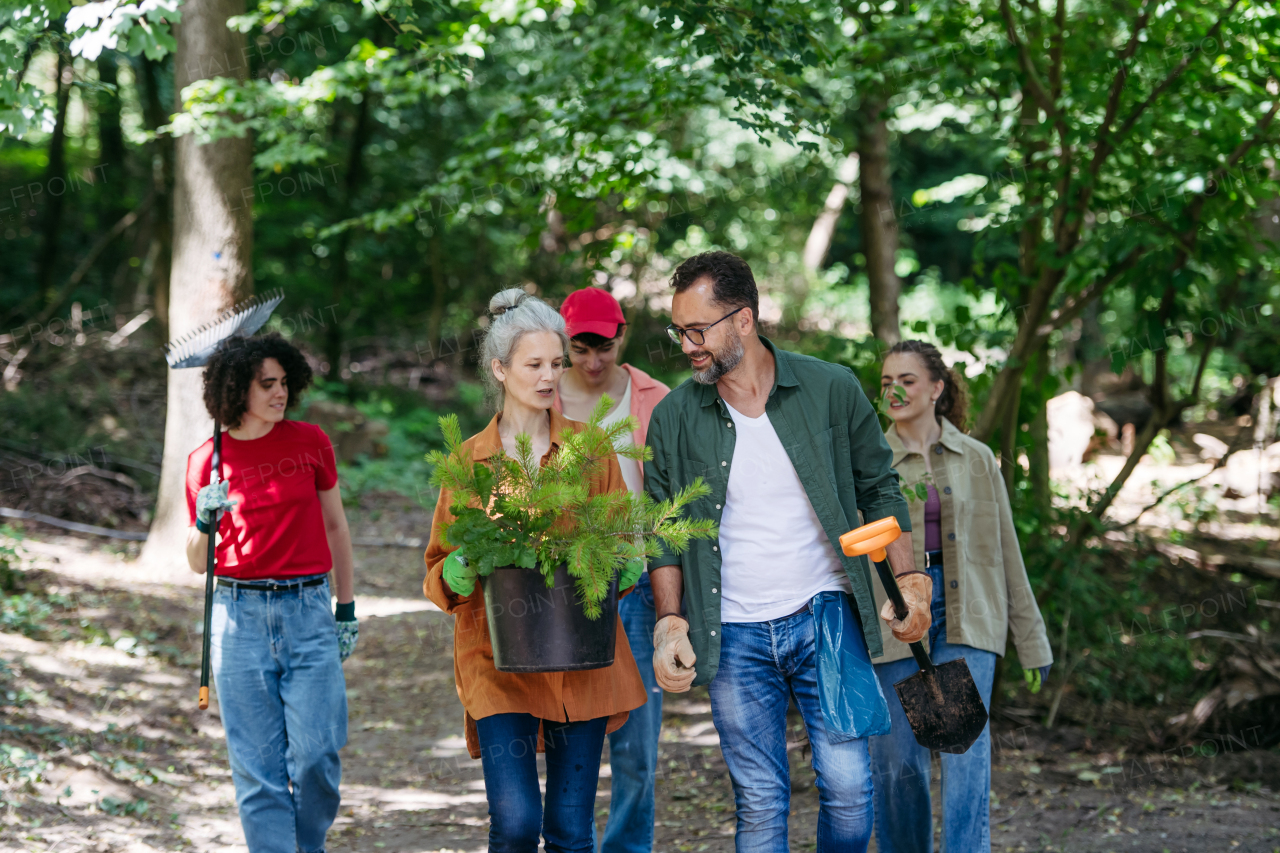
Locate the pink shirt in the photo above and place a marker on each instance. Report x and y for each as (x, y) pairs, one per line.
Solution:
(646, 393)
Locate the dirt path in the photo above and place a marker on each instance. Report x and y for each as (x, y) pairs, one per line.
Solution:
(102, 749)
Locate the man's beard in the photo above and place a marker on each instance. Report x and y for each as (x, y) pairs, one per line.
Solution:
(722, 363)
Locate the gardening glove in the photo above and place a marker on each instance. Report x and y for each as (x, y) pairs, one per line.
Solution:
(1036, 677)
(348, 630)
(210, 499)
(917, 592)
(673, 656)
(460, 577)
(631, 573)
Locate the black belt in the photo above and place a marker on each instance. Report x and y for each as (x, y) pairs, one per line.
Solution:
(271, 586)
(932, 558)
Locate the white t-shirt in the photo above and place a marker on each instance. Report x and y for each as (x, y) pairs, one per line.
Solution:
(631, 472)
(775, 554)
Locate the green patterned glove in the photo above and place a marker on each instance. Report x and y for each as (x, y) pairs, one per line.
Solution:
(631, 573)
(348, 636)
(460, 577)
(210, 499)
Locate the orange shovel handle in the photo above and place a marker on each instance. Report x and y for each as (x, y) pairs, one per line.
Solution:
(871, 538)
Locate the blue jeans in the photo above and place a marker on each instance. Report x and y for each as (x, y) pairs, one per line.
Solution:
(284, 707)
(633, 749)
(904, 818)
(508, 753)
(761, 664)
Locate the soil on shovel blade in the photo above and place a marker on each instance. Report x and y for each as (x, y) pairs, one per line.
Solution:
(102, 747)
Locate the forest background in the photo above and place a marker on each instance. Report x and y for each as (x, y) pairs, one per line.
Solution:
(1065, 196)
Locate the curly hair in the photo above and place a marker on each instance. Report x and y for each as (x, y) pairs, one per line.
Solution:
(732, 284)
(953, 402)
(235, 364)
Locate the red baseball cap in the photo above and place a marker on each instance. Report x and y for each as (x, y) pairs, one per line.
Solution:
(592, 310)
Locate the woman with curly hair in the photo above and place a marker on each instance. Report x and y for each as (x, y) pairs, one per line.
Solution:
(981, 596)
(277, 649)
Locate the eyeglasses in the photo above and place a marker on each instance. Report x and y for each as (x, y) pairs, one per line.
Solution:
(697, 337)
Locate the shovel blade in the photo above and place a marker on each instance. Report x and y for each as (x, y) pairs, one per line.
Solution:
(945, 709)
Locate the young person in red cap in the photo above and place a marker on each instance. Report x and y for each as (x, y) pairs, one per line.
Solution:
(595, 325)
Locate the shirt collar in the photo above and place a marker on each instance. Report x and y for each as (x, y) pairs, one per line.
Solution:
(488, 441)
(640, 380)
(951, 439)
(783, 375)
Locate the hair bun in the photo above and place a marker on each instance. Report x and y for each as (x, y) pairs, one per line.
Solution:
(504, 300)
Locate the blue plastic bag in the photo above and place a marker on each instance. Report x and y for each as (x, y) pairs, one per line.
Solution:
(853, 704)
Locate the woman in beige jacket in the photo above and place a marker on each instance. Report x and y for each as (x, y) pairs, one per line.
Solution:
(980, 596)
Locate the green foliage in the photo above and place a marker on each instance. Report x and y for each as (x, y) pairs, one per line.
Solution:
(20, 765)
(516, 512)
(121, 808)
(23, 108)
(132, 26)
(412, 426)
(25, 614)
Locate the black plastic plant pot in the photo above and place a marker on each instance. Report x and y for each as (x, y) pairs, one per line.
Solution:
(536, 628)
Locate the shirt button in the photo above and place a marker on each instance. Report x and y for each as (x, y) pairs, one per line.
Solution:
(717, 506)
(713, 633)
(955, 584)
(715, 547)
(722, 464)
(937, 448)
(951, 536)
(946, 490)
(713, 589)
(729, 424)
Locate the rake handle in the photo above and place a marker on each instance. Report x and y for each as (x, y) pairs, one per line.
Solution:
(211, 563)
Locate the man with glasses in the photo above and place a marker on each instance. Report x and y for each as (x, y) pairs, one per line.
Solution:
(793, 453)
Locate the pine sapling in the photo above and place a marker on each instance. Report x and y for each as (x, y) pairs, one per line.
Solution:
(512, 511)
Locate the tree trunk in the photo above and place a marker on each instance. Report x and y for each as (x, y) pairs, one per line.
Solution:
(341, 267)
(1038, 452)
(1009, 432)
(111, 151)
(878, 222)
(55, 181)
(160, 163)
(823, 231)
(212, 254)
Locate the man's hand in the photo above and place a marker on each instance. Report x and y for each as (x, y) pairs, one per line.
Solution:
(917, 592)
(458, 574)
(673, 656)
(210, 499)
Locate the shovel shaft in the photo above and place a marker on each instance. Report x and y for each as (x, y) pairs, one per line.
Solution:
(890, 584)
(211, 564)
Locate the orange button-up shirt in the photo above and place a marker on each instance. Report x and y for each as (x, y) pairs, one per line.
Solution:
(610, 692)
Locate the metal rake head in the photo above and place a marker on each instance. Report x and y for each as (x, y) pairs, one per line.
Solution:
(195, 348)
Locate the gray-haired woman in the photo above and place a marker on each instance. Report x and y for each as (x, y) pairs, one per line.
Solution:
(509, 715)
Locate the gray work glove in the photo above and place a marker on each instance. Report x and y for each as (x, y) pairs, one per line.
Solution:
(209, 500)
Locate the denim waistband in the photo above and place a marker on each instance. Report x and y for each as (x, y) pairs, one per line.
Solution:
(278, 586)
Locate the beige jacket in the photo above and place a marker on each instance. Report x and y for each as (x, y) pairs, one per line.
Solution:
(987, 592)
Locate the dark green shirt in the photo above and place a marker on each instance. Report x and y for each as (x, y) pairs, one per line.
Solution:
(833, 437)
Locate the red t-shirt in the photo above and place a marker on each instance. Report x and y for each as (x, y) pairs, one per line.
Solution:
(276, 528)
